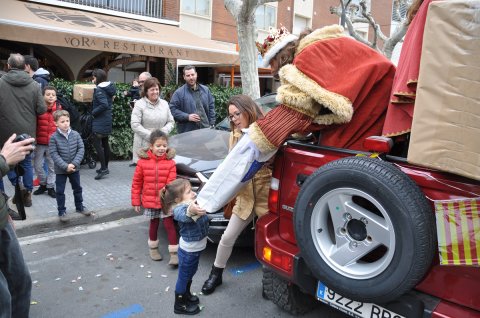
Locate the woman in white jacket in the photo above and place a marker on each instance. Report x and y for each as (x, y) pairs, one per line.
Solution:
(149, 113)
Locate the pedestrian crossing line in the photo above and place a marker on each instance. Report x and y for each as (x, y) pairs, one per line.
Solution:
(79, 230)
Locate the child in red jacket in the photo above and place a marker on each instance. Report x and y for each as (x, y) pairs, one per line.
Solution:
(154, 170)
(45, 128)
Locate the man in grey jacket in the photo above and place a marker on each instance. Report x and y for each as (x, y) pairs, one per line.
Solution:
(192, 105)
(21, 100)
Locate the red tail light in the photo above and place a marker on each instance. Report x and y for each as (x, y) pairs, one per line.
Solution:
(275, 183)
(273, 196)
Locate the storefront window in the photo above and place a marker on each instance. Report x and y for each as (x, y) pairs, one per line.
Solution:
(265, 17)
(197, 7)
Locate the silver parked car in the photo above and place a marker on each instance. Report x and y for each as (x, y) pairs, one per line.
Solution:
(201, 151)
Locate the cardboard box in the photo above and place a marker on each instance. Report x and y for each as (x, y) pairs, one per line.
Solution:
(83, 92)
(446, 123)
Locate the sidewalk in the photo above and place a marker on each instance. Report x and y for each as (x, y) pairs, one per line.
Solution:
(108, 199)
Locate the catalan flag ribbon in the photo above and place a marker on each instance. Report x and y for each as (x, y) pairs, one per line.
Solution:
(458, 231)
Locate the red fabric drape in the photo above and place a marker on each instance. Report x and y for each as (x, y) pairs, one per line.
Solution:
(400, 110)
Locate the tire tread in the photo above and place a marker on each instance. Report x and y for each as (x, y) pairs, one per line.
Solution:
(413, 200)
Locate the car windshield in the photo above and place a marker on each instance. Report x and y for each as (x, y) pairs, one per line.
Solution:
(266, 104)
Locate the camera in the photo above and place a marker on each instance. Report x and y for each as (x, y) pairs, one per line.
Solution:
(23, 137)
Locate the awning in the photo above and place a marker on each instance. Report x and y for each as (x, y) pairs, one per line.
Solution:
(48, 25)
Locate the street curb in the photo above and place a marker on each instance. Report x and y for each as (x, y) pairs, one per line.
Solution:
(49, 224)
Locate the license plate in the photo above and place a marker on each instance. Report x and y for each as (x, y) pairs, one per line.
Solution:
(352, 308)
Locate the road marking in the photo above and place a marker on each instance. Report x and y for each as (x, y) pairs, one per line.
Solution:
(126, 312)
(243, 269)
(78, 251)
(79, 230)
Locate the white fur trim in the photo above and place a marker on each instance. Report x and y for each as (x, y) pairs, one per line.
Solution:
(153, 244)
(276, 48)
(103, 84)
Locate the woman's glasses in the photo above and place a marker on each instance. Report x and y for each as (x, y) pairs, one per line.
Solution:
(234, 115)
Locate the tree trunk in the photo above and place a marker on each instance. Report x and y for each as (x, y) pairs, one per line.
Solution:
(243, 11)
(248, 59)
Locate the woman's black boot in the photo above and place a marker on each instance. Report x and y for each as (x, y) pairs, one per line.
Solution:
(192, 299)
(183, 307)
(214, 280)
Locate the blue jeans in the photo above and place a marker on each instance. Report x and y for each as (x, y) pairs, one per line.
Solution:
(15, 281)
(187, 267)
(60, 182)
(27, 178)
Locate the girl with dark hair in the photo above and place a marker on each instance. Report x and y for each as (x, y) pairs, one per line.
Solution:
(179, 198)
(102, 119)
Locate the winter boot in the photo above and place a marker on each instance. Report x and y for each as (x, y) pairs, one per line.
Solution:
(27, 198)
(154, 253)
(214, 280)
(192, 299)
(183, 307)
(41, 190)
(173, 249)
(51, 193)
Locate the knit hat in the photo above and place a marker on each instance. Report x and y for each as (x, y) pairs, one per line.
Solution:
(276, 40)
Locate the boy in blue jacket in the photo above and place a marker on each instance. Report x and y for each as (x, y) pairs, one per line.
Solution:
(67, 150)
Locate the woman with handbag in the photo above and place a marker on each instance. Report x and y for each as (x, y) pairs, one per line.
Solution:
(251, 201)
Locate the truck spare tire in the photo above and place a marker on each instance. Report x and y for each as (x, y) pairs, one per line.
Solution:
(365, 229)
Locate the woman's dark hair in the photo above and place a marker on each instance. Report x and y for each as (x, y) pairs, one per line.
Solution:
(100, 75)
(157, 134)
(149, 83)
(171, 192)
(247, 106)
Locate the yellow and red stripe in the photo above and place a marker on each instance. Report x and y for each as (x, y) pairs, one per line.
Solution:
(458, 231)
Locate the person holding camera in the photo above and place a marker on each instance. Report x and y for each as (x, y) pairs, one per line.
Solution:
(21, 100)
(15, 280)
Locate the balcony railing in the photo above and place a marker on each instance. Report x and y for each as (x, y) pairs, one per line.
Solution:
(148, 8)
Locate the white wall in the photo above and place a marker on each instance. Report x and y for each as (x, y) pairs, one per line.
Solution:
(74, 58)
(197, 25)
(304, 8)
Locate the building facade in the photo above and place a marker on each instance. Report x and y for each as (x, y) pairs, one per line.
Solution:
(126, 37)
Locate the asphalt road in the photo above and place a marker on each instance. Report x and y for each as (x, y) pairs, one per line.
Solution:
(104, 270)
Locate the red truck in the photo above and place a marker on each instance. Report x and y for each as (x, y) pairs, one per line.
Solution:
(358, 232)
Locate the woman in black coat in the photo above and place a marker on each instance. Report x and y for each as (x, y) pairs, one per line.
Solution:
(102, 119)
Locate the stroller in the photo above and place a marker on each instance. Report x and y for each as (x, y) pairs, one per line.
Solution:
(87, 137)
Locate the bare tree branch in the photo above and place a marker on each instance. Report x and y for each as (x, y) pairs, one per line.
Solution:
(358, 20)
(354, 33)
(395, 38)
(353, 13)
